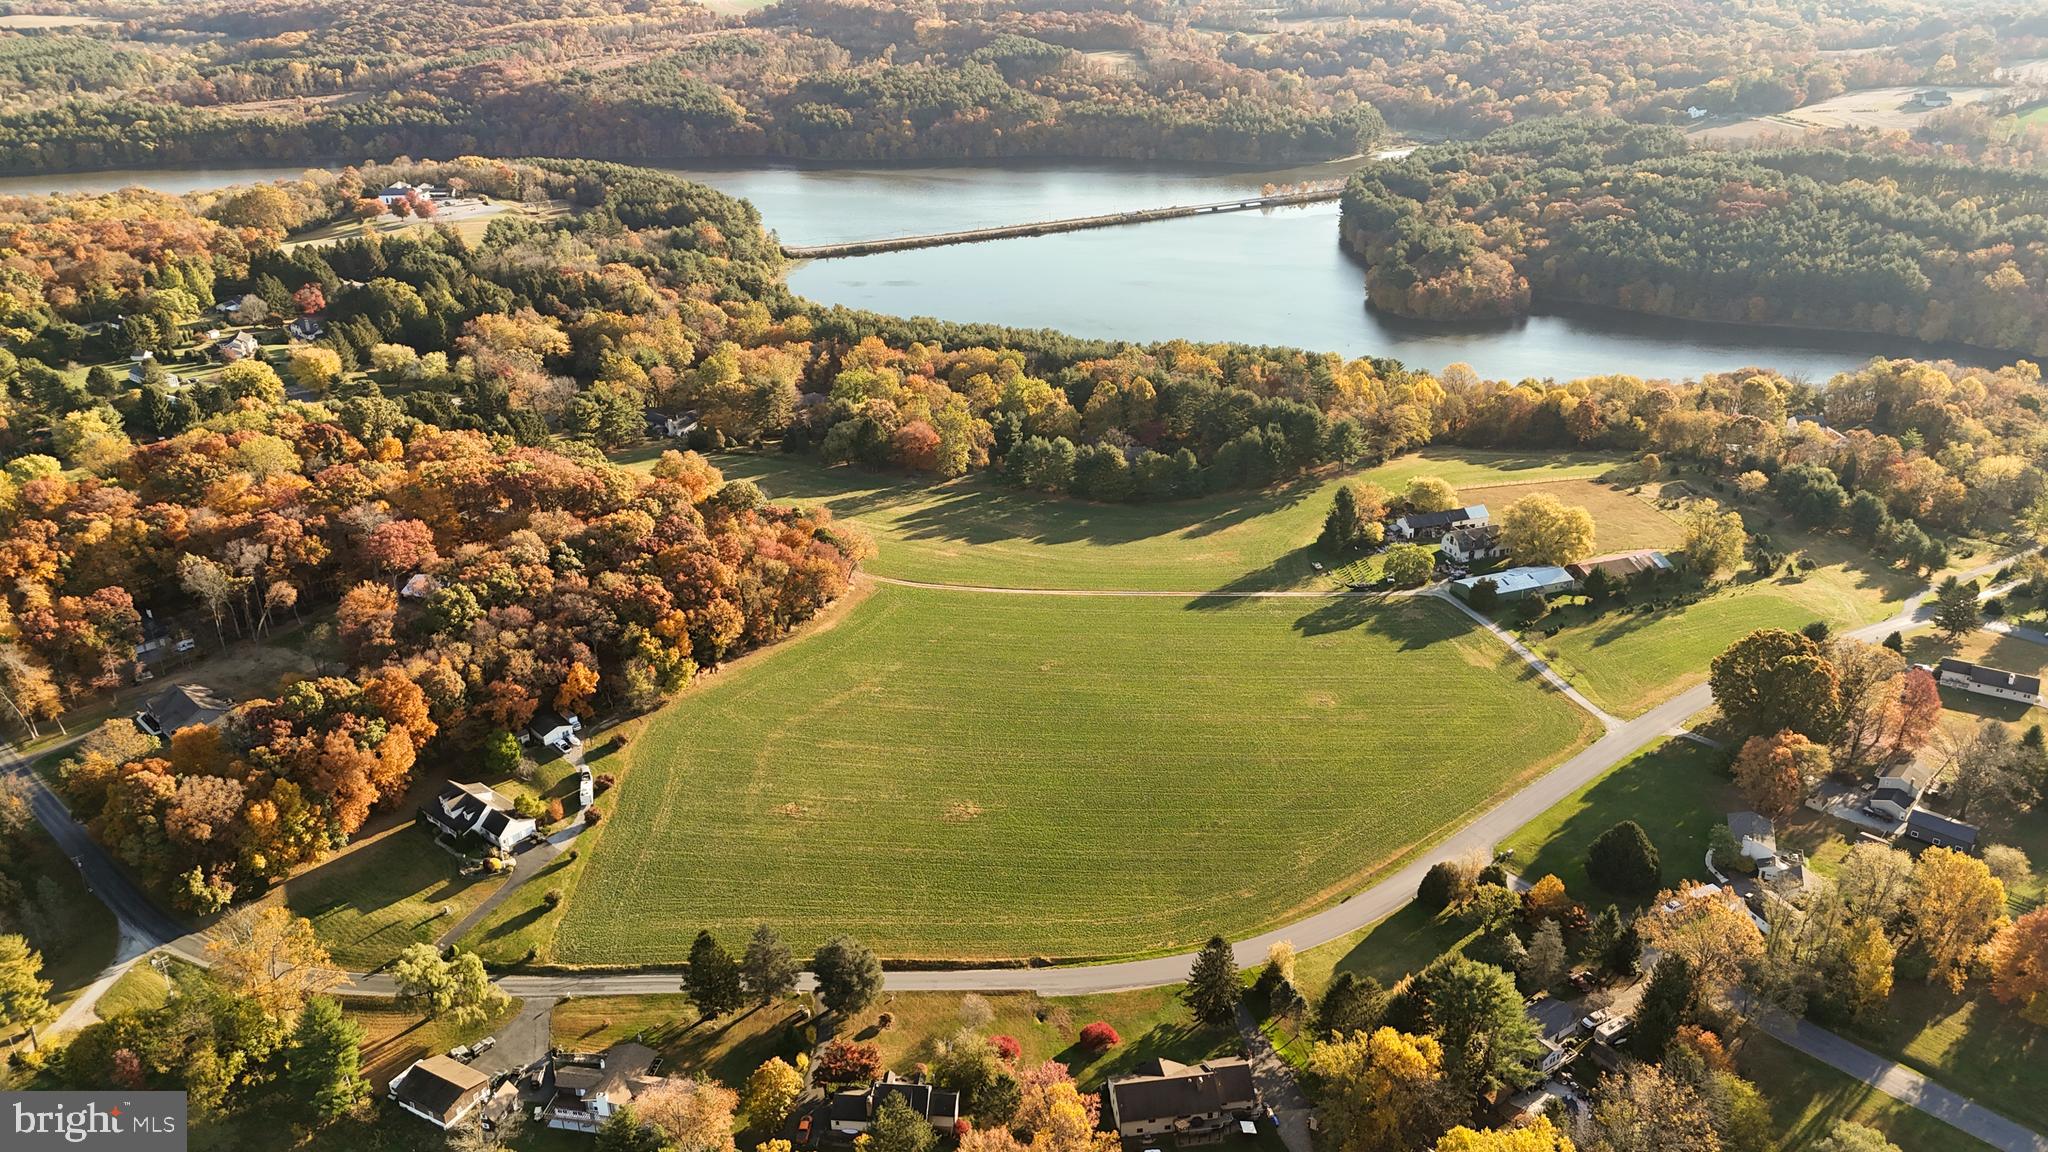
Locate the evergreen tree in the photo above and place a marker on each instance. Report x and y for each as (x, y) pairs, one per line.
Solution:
(1341, 526)
(849, 974)
(1667, 1005)
(899, 1128)
(1624, 862)
(1213, 987)
(323, 1061)
(1352, 1003)
(713, 980)
(768, 970)
(1956, 612)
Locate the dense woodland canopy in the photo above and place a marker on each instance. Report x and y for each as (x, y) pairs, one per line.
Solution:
(1602, 212)
(287, 80)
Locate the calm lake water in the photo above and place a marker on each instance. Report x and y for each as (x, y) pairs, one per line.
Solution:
(1270, 277)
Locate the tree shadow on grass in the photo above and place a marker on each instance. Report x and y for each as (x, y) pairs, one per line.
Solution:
(1183, 1041)
(517, 923)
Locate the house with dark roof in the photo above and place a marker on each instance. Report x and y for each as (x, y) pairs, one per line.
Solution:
(462, 809)
(555, 729)
(852, 1112)
(584, 1089)
(1432, 525)
(663, 426)
(1899, 791)
(1195, 1104)
(440, 1090)
(1474, 542)
(1954, 673)
(305, 328)
(182, 706)
(1940, 831)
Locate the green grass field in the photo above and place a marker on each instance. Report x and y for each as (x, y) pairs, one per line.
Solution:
(974, 531)
(1970, 1043)
(1629, 661)
(384, 893)
(1675, 790)
(952, 774)
(1809, 1099)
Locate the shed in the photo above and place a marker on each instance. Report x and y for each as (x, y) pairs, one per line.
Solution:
(1940, 831)
(440, 1090)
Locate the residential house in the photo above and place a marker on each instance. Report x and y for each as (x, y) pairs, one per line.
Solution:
(1517, 583)
(1898, 792)
(554, 729)
(853, 1111)
(1759, 839)
(1623, 567)
(180, 707)
(237, 347)
(1432, 525)
(1195, 1104)
(1940, 831)
(1954, 673)
(305, 328)
(1476, 542)
(461, 809)
(138, 370)
(440, 1090)
(1695, 112)
(584, 1089)
(662, 426)
(1933, 98)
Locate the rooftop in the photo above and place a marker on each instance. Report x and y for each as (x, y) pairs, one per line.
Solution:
(1543, 577)
(1164, 1089)
(186, 705)
(1991, 677)
(438, 1085)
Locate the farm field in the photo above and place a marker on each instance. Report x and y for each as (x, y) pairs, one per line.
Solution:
(974, 532)
(1882, 109)
(946, 774)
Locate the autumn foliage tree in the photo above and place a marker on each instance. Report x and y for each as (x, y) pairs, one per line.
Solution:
(1776, 773)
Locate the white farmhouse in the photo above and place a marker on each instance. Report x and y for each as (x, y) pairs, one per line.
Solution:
(1984, 681)
(461, 809)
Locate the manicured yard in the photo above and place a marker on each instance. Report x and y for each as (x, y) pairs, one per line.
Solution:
(394, 1037)
(1621, 520)
(383, 893)
(1389, 951)
(974, 531)
(965, 775)
(1629, 660)
(1809, 1099)
(1675, 790)
(1152, 1022)
(726, 1050)
(139, 989)
(1970, 1043)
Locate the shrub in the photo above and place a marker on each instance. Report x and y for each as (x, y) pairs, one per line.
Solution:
(1006, 1047)
(1099, 1037)
(884, 1020)
(962, 1127)
(555, 810)
(591, 816)
(529, 807)
(845, 1062)
(604, 782)
(553, 897)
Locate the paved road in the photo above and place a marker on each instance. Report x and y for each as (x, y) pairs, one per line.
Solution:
(1903, 1084)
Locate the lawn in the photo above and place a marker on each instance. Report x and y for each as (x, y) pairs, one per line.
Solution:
(1152, 1022)
(85, 934)
(1970, 1043)
(959, 775)
(1389, 951)
(1629, 658)
(394, 1037)
(1675, 790)
(1809, 1099)
(726, 1050)
(974, 531)
(385, 892)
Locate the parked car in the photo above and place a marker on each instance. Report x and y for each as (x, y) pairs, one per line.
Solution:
(461, 1052)
(803, 1130)
(482, 1046)
(1583, 981)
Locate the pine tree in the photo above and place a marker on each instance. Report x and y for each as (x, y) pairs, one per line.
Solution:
(323, 1061)
(713, 980)
(1213, 986)
(849, 974)
(1956, 612)
(1340, 527)
(1667, 1005)
(768, 970)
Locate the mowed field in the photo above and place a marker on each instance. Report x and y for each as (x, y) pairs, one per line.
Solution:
(973, 776)
(972, 531)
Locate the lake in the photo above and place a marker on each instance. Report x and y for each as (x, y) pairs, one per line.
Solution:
(1276, 276)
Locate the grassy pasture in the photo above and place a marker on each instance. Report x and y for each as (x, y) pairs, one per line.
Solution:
(946, 774)
(973, 531)
(385, 892)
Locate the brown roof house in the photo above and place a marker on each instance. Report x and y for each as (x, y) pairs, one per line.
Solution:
(440, 1090)
(1622, 567)
(1195, 1104)
(588, 1088)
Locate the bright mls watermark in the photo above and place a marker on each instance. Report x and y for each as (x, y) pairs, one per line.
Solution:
(116, 1121)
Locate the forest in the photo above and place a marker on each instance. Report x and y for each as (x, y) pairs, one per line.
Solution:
(289, 81)
(1631, 217)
